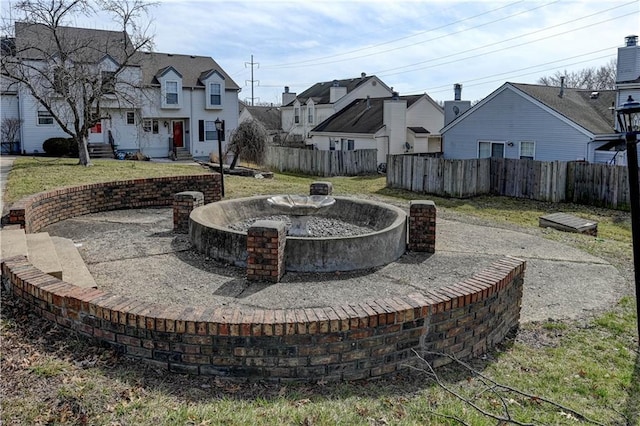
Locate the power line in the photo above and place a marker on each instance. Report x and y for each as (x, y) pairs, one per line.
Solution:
(314, 60)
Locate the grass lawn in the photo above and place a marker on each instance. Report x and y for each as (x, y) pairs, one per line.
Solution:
(590, 368)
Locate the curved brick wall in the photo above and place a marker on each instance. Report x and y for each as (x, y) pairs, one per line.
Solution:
(348, 342)
(42, 209)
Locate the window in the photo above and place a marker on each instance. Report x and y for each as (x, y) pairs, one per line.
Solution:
(347, 144)
(296, 115)
(131, 118)
(527, 150)
(108, 81)
(172, 93)
(210, 132)
(488, 149)
(214, 97)
(350, 144)
(45, 118)
(155, 127)
(310, 117)
(146, 125)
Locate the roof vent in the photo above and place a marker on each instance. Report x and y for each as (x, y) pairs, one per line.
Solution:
(561, 94)
(395, 96)
(169, 54)
(286, 89)
(631, 40)
(363, 75)
(457, 91)
(594, 95)
(336, 83)
(192, 56)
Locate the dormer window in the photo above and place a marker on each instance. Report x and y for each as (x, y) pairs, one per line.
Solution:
(296, 115)
(310, 114)
(215, 97)
(171, 93)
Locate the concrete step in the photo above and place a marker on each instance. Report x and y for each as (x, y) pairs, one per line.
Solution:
(42, 254)
(13, 243)
(74, 270)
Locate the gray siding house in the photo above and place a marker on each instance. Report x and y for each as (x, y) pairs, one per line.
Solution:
(536, 122)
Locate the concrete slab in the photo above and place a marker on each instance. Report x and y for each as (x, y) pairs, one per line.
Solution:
(74, 270)
(42, 254)
(13, 243)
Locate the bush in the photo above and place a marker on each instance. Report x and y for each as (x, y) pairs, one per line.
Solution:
(60, 147)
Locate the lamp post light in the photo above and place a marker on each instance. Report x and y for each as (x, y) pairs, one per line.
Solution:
(219, 129)
(629, 121)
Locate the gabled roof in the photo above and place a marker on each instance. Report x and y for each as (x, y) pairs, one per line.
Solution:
(590, 112)
(36, 41)
(320, 91)
(586, 109)
(191, 67)
(269, 116)
(362, 116)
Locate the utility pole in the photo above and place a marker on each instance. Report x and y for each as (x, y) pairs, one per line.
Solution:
(252, 81)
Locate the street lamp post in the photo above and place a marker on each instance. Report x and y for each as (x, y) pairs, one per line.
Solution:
(219, 129)
(629, 121)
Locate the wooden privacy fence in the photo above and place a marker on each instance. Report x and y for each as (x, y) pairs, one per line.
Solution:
(322, 163)
(583, 183)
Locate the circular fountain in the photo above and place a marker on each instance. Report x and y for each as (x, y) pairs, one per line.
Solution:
(384, 242)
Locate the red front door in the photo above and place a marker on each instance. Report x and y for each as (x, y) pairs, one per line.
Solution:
(177, 134)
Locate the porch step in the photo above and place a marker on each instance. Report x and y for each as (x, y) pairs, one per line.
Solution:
(74, 270)
(100, 150)
(42, 254)
(55, 256)
(13, 243)
(182, 154)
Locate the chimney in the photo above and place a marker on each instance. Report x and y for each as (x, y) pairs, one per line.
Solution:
(631, 40)
(287, 97)
(561, 94)
(457, 92)
(336, 92)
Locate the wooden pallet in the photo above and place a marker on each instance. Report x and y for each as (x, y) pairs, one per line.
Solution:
(569, 223)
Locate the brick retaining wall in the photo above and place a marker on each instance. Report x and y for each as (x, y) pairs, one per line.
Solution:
(42, 209)
(363, 340)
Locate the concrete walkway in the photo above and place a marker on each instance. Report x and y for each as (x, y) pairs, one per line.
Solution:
(135, 253)
(6, 163)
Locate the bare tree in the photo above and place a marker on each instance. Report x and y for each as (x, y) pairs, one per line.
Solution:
(249, 141)
(77, 75)
(601, 78)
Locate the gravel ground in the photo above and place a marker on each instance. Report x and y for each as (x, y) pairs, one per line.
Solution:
(317, 226)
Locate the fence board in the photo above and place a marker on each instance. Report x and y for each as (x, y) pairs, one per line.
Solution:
(322, 163)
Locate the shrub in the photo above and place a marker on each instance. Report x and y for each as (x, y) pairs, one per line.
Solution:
(60, 147)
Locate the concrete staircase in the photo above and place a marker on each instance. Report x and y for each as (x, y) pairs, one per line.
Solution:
(182, 154)
(55, 256)
(100, 150)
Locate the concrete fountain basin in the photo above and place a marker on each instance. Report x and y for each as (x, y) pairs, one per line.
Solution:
(210, 233)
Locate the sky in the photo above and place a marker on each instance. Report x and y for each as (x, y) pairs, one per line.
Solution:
(419, 46)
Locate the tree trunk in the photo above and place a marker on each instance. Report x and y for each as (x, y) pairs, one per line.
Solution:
(83, 152)
(234, 161)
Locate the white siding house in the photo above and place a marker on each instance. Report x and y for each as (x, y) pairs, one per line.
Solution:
(303, 112)
(391, 125)
(160, 101)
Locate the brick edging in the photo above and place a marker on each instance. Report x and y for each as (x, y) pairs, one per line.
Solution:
(355, 341)
(45, 208)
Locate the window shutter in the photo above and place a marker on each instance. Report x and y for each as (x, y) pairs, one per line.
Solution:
(201, 130)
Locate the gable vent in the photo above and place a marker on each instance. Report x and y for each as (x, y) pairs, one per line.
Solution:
(594, 95)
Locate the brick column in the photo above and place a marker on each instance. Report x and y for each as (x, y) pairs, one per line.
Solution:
(321, 188)
(422, 226)
(265, 247)
(183, 203)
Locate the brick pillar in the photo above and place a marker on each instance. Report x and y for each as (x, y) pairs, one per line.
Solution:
(265, 247)
(422, 226)
(321, 188)
(183, 203)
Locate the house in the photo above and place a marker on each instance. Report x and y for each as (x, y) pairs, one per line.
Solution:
(535, 122)
(392, 125)
(547, 123)
(268, 116)
(157, 104)
(301, 113)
